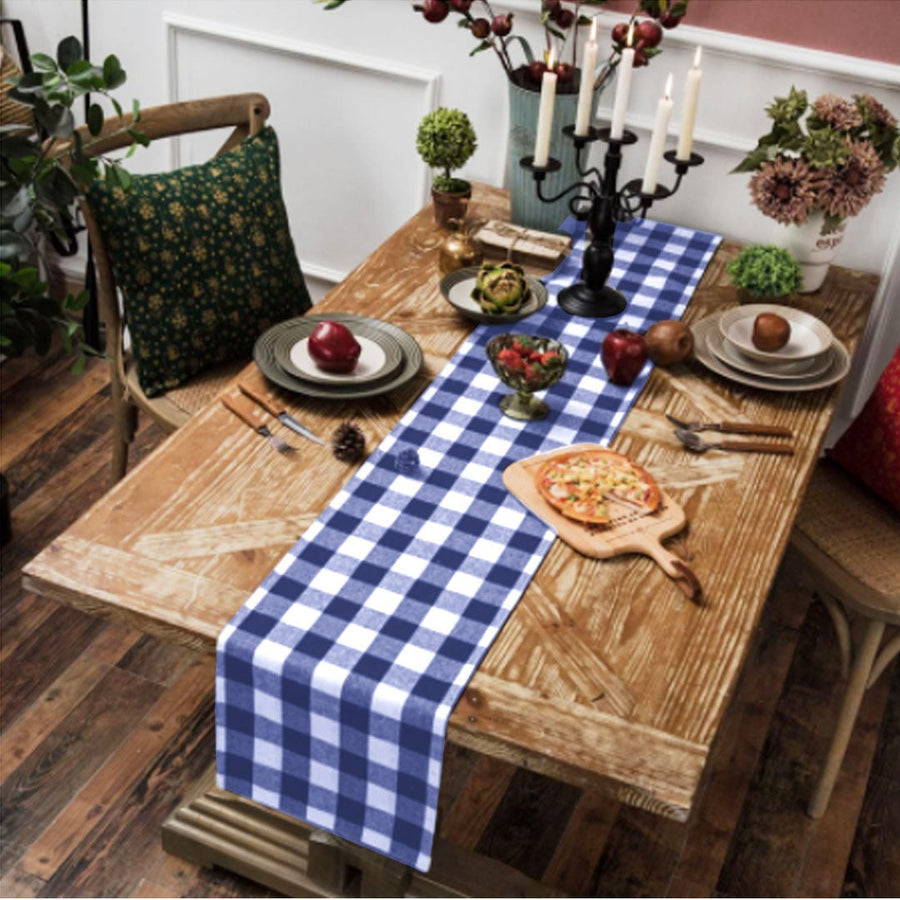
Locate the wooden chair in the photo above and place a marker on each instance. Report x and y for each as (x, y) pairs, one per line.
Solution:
(246, 114)
(846, 545)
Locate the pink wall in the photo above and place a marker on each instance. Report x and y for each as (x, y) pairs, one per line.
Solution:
(865, 28)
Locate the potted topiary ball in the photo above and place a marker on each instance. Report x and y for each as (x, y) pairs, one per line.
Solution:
(764, 272)
(445, 141)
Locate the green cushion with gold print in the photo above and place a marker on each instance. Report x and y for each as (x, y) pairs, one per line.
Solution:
(204, 258)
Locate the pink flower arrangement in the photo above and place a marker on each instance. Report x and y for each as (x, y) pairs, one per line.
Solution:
(834, 161)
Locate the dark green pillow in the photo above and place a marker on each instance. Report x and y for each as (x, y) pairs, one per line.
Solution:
(204, 258)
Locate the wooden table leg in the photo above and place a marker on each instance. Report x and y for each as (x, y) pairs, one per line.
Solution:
(218, 828)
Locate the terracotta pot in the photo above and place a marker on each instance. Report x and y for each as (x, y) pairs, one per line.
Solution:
(449, 205)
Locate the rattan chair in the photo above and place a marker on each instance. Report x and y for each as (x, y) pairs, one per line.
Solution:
(846, 546)
(246, 114)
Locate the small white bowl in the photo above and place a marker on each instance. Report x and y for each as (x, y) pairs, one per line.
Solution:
(809, 336)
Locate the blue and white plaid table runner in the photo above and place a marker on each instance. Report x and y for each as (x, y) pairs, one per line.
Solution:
(335, 681)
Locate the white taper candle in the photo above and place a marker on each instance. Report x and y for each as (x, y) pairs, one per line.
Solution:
(623, 89)
(545, 115)
(658, 140)
(689, 109)
(586, 92)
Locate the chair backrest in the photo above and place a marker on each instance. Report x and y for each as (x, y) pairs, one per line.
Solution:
(245, 113)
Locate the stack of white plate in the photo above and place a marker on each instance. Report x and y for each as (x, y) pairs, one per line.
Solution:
(812, 358)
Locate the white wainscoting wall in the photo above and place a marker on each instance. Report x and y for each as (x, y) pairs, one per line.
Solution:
(349, 86)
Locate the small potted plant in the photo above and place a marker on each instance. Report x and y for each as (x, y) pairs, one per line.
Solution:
(765, 271)
(446, 140)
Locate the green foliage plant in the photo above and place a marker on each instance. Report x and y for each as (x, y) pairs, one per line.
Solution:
(765, 271)
(446, 140)
(42, 176)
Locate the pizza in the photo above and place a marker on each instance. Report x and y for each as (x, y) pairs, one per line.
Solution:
(580, 484)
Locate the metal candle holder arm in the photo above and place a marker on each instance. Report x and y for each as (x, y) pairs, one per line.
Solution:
(597, 199)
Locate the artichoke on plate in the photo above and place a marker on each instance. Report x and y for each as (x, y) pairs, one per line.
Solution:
(501, 288)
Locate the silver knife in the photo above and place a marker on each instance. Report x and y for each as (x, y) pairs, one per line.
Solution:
(282, 414)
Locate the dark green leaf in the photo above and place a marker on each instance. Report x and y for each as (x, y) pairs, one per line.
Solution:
(112, 177)
(113, 73)
(16, 203)
(58, 120)
(30, 82)
(26, 98)
(68, 52)
(17, 147)
(484, 45)
(139, 137)
(77, 301)
(14, 246)
(22, 222)
(43, 63)
(95, 119)
(116, 106)
(52, 80)
(136, 110)
(79, 364)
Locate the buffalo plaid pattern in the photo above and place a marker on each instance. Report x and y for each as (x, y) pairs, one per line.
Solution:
(335, 680)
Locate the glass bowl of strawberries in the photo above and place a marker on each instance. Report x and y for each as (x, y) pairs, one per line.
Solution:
(526, 363)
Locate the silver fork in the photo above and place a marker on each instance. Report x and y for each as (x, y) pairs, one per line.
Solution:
(260, 428)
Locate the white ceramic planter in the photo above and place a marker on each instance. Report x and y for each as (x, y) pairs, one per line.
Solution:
(813, 250)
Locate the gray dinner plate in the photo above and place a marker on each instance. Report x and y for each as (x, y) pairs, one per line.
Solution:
(456, 288)
(264, 356)
(289, 347)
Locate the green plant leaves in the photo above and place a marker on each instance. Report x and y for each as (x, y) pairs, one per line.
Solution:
(95, 119)
(69, 52)
(113, 73)
(41, 182)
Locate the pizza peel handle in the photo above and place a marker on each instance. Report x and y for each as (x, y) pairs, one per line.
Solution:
(628, 532)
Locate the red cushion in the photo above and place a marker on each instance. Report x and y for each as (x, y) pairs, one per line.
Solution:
(870, 447)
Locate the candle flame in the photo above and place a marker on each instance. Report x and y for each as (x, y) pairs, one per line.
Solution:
(669, 86)
(551, 59)
(697, 54)
(593, 35)
(630, 39)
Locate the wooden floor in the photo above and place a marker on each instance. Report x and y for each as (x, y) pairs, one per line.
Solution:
(104, 731)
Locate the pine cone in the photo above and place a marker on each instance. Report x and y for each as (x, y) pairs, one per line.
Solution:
(348, 443)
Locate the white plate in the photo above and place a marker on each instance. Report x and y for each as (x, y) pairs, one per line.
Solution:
(371, 363)
(809, 335)
(456, 288)
(839, 363)
(800, 368)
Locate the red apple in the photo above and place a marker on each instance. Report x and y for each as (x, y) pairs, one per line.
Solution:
(535, 71)
(481, 28)
(623, 355)
(434, 10)
(502, 25)
(461, 5)
(565, 72)
(620, 33)
(649, 32)
(333, 347)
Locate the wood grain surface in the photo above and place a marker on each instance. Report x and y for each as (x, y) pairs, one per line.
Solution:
(748, 832)
(663, 668)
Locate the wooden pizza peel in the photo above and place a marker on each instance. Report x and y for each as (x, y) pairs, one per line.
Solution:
(629, 531)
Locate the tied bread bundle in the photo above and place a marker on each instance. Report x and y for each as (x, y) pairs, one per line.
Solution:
(501, 239)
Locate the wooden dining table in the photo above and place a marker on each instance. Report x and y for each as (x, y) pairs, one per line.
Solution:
(604, 674)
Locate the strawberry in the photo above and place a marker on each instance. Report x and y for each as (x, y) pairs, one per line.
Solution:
(550, 359)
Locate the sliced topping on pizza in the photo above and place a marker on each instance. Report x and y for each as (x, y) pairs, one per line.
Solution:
(580, 484)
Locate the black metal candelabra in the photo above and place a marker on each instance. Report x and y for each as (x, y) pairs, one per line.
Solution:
(597, 199)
